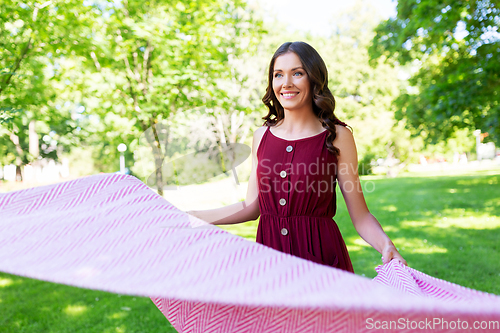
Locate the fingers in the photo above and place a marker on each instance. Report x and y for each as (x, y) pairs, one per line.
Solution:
(400, 259)
(391, 255)
(388, 257)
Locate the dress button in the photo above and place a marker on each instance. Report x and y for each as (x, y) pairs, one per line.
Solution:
(282, 202)
(283, 174)
(289, 148)
(284, 231)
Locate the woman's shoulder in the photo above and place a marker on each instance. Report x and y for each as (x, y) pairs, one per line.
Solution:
(343, 132)
(259, 132)
(344, 140)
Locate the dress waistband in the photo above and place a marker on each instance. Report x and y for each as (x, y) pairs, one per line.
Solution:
(309, 216)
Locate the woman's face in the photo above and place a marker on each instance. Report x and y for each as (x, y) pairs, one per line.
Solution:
(290, 82)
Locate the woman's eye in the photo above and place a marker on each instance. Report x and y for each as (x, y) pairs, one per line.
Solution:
(297, 73)
(277, 75)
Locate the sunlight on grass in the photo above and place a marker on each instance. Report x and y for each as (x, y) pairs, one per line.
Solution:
(75, 310)
(477, 181)
(417, 245)
(359, 244)
(118, 315)
(5, 282)
(429, 250)
(469, 222)
(491, 205)
(412, 224)
(389, 208)
(390, 228)
(118, 329)
(353, 248)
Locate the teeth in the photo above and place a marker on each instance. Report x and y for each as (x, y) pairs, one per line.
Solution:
(289, 95)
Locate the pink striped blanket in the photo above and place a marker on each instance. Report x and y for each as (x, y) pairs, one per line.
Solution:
(112, 233)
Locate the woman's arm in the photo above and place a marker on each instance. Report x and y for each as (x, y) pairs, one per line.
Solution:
(247, 210)
(365, 223)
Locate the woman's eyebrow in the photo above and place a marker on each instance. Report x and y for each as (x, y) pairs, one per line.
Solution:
(279, 70)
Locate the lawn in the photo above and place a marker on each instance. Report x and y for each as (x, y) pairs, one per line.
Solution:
(445, 226)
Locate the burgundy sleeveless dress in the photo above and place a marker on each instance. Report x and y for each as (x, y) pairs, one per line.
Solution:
(297, 200)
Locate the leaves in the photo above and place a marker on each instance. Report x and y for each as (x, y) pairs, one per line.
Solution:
(455, 46)
(36, 35)
(8, 114)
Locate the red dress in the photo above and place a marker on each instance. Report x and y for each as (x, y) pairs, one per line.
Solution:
(297, 200)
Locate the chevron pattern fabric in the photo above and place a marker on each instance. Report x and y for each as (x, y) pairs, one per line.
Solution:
(111, 232)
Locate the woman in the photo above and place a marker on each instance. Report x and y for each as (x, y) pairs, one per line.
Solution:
(298, 157)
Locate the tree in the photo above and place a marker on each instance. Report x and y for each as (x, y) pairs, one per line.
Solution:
(32, 36)
(454, 47)
(151, 60)
(364, 93)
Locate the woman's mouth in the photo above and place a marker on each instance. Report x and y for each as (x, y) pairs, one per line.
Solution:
(289, 95)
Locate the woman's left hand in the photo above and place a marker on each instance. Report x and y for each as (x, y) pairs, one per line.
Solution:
(390, 252)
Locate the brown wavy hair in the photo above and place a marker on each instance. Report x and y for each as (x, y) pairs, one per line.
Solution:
(323, 100)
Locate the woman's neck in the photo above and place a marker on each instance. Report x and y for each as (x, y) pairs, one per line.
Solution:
(299, 123)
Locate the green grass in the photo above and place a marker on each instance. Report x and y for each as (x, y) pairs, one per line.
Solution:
(28, 305)
(444, 226)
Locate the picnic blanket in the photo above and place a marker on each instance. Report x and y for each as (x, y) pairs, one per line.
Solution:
(111, 232)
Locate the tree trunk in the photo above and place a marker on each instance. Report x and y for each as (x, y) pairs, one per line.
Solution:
(159, 155)
(19, 161)
(19, 174)
(33, 140)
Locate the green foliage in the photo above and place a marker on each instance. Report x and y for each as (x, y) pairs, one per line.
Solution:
(100, 74)
(365, 164)
(363, 93)
(32, 36)
(454, 47)
(148, 62)
(7, 114)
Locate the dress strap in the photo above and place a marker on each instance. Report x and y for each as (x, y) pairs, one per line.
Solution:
(262, 142)
(339, 122)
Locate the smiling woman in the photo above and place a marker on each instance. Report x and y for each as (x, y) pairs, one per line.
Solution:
(291, 85)
(298, 83)
(292, 183)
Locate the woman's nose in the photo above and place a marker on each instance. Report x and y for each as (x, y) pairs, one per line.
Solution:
(288, 81)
